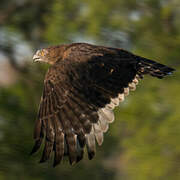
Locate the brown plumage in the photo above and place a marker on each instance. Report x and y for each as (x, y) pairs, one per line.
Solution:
(81, 89)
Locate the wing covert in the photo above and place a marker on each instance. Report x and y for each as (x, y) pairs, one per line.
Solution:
(77, 104)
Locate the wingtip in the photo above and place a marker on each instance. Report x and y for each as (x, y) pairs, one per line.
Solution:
(170, 70)
(42, 161)
(72, 162)
(55, 164)
(32, 152)
(44, 158)
(91, 155)
(79, 158)
(36, 146)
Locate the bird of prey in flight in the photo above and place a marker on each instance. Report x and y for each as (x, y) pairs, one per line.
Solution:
(81, 88)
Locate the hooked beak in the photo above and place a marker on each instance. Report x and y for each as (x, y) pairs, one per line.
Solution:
(36, 58)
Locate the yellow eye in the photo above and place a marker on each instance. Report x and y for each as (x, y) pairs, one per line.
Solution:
(42, 53)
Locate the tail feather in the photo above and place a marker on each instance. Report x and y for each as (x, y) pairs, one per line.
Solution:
(146, 66)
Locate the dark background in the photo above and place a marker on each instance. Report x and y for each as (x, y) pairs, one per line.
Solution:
(144, 141)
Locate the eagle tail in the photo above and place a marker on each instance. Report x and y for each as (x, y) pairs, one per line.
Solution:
(146, 66)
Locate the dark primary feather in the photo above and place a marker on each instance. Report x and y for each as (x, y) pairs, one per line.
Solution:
(80, 91)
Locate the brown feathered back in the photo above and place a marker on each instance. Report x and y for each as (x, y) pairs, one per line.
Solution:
(81, 89)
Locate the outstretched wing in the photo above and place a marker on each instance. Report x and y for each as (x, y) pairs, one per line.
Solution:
(80, 93)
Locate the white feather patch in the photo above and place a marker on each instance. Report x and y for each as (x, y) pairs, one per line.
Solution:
(115, 101)
(137, 77)
(135, 80)
(121, 97)
(110, 106)
(90, 141)
(108, 114)
(97, 127)
(103, 122)
(126, 91)
(98, 133)
(132, 86)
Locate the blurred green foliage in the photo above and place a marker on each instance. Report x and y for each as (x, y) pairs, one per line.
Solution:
(143, 142)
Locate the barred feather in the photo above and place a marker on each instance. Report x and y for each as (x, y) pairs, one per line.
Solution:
(59, 146)
(91, 144)
(153, 68)
(49, 141)
(81, 89)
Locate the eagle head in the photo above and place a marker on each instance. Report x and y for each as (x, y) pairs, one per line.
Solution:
(49, 55)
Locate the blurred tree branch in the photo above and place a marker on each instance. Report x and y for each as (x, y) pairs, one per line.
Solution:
(6, 13)
(9, 53)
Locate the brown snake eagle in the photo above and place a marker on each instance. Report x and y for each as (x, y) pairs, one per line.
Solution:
(81, 88)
